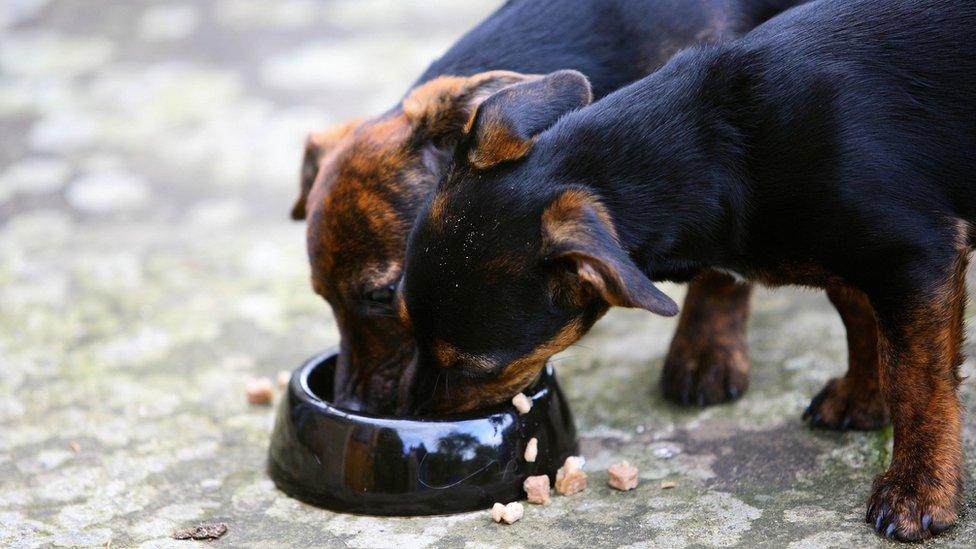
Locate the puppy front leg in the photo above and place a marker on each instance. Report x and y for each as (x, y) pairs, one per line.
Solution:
(919, 494)
(707, 361)
(853, 401)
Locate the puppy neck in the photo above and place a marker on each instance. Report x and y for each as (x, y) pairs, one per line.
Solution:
(666, 160)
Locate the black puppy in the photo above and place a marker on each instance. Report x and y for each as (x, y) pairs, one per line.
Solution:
(834, 146)
(363, 181)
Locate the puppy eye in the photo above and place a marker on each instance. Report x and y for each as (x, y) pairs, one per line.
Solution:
(382, 295)
(377, 301)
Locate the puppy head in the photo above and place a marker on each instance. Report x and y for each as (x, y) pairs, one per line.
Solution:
(505, 268)
(360, 188)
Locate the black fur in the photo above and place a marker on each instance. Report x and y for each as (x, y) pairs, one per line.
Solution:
(612, 42)
(840, 135)
(833, 145)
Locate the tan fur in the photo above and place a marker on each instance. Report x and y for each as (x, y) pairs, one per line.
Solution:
(317, 145)
(564, 221)
(561, 219)
(516, 376)
(853, 401)
(357, 231)
(448, 103)
(437, 208)
(444, 352)
(707, 362)
(496, 144)
(921, 354)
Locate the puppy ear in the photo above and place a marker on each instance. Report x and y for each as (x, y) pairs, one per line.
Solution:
(506, 124)
(317, 144)
(577, 229)
(442, 107)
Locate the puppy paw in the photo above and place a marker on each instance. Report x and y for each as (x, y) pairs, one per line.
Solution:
(911, 507)
(705, 376)
(846, 404)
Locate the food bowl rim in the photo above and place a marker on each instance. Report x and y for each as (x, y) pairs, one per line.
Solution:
(301, 390)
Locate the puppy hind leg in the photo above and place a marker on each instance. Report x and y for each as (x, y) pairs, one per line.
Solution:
(853, 401)
(707, 362)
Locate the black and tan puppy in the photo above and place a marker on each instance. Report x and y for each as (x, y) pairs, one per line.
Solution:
(834, 147)
(363, 182)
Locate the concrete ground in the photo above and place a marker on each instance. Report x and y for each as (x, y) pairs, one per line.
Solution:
(148, 159)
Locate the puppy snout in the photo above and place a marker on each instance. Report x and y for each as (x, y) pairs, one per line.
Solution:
(405, 389)
(417, 386)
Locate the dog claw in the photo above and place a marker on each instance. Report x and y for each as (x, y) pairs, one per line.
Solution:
(906, 509)
(878, 521)
(843, 404)
(702, 373)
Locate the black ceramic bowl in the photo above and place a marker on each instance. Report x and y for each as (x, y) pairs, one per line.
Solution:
(376, 465)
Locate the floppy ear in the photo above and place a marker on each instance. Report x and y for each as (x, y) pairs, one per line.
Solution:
(577, 229)
(506, 124)
(317, 144)
(442, 107)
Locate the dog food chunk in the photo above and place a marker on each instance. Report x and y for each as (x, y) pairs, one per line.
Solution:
(497, 512)
(522, 403)
(570, 478)
(509, 514)
(259, 391)
(513, 512)
(623, 476)
(537, 489)
(283, 378)
(531, 450)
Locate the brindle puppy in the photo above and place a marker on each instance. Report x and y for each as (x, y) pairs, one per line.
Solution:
(832, 147)
(363, 182)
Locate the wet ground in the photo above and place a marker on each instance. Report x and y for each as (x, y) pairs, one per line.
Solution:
(148, 159)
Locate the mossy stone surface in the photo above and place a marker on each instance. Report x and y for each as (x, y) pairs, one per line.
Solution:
(148, 160)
